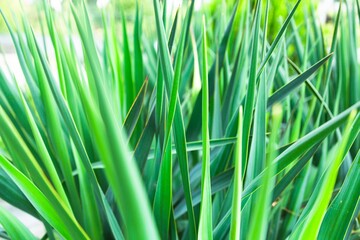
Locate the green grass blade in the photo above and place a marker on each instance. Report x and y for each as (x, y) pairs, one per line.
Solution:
(205, 221)
(292, 85)
(175, 87)
(129, 190)
(294, 171)
(250, 96)
(28, 74)
(345, 204)
(14, 228)
(277, 38)
(129, 83)
(51, 28)
(72, 130)
(57, 137)
(163, 194)
(12, 194)
(313, 89)
(138, 58)
(194, 125)
(143, 145)
(25, 161)
(261, 212)
(310, 220)
(114, 225)
(43, 152)
(92, 222)
(287, 157)
(135, 110)
(312, 138)
(179, 132)
(236, 201)
(256, 159)
(64, 223)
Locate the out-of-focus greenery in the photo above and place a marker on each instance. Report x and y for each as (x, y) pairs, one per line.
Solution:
(5, 6)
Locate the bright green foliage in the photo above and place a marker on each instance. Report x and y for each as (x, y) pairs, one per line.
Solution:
(210, 124)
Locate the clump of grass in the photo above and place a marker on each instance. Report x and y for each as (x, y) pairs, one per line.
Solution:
(118, 141)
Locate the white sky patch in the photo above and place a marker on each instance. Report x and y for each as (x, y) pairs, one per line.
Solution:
(326, 7)
(199, 3)
(102, 3)
(29, 1)
(173, 4)
(176, 3)
(56, 5)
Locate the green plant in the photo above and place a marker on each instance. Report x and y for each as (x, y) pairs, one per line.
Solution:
(215, 133)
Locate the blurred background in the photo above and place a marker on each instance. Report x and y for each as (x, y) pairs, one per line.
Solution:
(279, 8)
